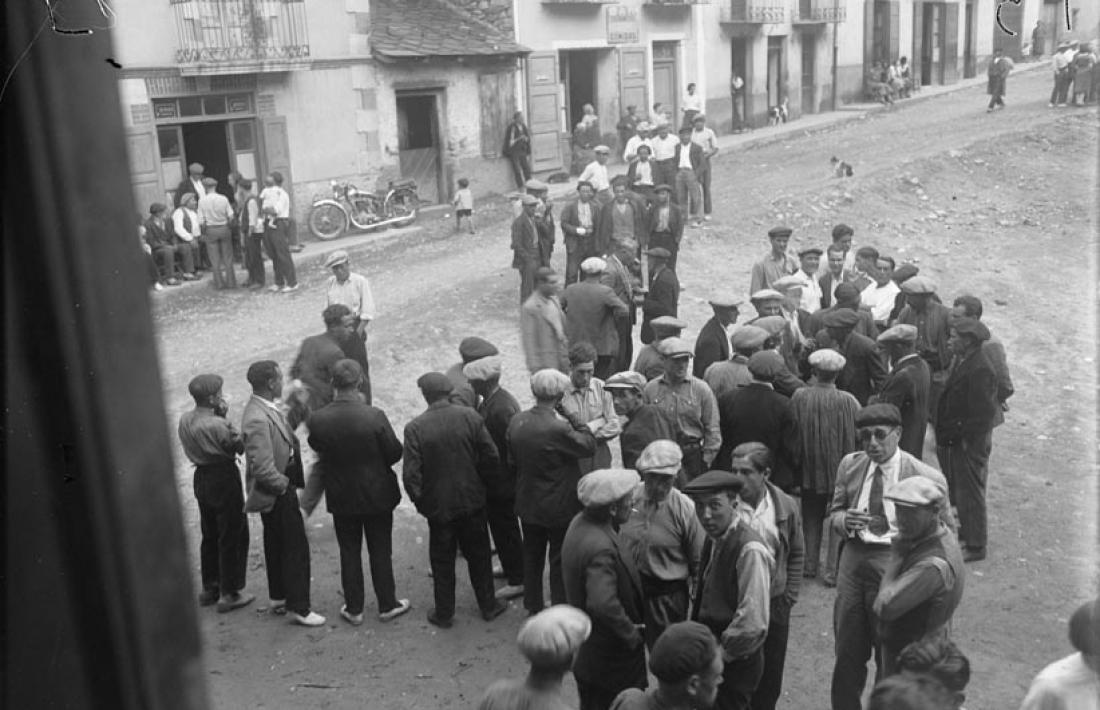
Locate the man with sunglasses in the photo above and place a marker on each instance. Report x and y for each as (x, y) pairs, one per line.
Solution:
(867, 520)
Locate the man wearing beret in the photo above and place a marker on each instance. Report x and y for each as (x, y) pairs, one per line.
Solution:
(470, 349)
(906, 386)
(319, 353)
(592, 312)
(545, 447)
(713, 344)
(965, 418)
(864, 371)
(847, 298)
(642, 423)
(542, 325)
(449, 461)
(663, 297)
(923, 582)
(525, 246)
(932, 320)
(727, 375)
(689, 405)
(212, 443)
(578, 227)
(649, 362)
(665, 226)
(733, 591)
(862, 514)
(687, 663)
(776, 264)
(601, 579)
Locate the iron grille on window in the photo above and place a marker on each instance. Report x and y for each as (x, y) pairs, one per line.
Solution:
(753, 12)
(236, 30)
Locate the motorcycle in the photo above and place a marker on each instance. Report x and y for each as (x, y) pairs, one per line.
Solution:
(349, 206)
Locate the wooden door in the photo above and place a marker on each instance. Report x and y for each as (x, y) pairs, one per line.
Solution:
(950, 62)
(632, 79)
(418, 143)
(276, 152)
(775, 70)
(666, 88)
(241, 137)
(141, 144)
(544, 110)
(172, 168)
(809, 52)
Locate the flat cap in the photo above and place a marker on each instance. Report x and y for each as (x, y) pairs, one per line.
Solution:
(827, 360)
(483, 369)
(606, 485)
(526, 199)
(713, 482)
(674, 348)
(346, 373)
(787, 282)
(724, 303)
(336, 258)
(685, 129)
(916, 491)
(766, 365)
(972, 327)
(662, 188)
(203, 386)
(699, 117)
(659, 253)
(593, 265)
(157, 207)
(904, 272)
(681, 651)
(901, 333)
(772, 325)
(842, 230)
(667, 323)
(549, 383)
(918, 284)
(811, 250)
(847, 291)
(643, 126)
(780, 231)
(748, 336)
(601, 149)
(536, 184)
(629, 380)
(766, 294)
(661, 456)
(872, 414)
(435, 383)
(209, 182)
(840, 318)
(195, 168)
(475, 348)
(550, 638)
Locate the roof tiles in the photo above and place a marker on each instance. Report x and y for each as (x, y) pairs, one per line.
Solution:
(403, 29)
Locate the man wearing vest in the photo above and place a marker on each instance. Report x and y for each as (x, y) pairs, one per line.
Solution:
(867, 520)
(923, 582)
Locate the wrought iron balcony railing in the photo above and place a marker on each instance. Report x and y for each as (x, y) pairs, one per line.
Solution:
(819, 11)
(226, 36)
(752, 12)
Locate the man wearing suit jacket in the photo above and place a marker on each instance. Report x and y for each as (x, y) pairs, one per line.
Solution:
(847, 297)
(525, 246)
(274, 473)
(965, 418)
(158, 237)
(861, 514)
(592, 311)
(688, 161)
(864, 371)
(665, 225)
(578, 226)
(318, 354)
(620, 276)
(906, 386)
(712, 345)
(622, 221)
(602, 580)
(192, 183)
(542, 325)
(664, 291)
(642, 174)
(356, 450)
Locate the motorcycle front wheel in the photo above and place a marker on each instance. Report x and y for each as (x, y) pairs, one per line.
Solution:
(327, 221)
(402, 206)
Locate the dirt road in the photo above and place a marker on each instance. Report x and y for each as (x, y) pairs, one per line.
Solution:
(1000, 205)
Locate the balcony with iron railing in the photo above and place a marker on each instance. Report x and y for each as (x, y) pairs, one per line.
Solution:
(818, 11)
(240, 36)
(752, 12)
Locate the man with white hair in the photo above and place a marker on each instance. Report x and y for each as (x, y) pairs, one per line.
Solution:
(602, 580)
(591, 312)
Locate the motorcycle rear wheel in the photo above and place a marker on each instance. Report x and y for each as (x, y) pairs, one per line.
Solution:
(402, 206)
(327, 222)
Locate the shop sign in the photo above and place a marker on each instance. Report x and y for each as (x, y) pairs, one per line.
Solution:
(622, 25)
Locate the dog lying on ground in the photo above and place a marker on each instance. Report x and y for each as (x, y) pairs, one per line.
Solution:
(779, 114)
(840, 168)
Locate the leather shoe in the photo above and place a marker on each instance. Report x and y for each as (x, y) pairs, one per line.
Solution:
(496, 611)
(973, 554)
(208, 597)
(236, 600)
(435, 620)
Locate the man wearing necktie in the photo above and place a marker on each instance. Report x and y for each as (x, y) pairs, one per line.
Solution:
(867, 520)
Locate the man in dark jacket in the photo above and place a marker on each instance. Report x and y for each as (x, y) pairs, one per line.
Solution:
(544, 219)
(713, 345)
(592, 312)
(964, 431)
(665, 225)
(470, 349)
(621, 221)
(864, 371)
(517, 148)
(356, 450)
(525, 246)
(497, 407)
(663, 297)
(319, 353)
(906, 386)
(544, 449)
(644, 423)
(449, 460)
(602, 580)
(578, 227)
(932, 320)
(158, 235)
(847, 297)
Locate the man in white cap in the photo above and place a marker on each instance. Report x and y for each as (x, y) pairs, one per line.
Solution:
(666, 537)
(713, 344)
(923, 583)
(727, 375)
(602, 580)
(352, 290)
(641, 423)
(596, 174)
(932, 320)
(525, 246)
(578, 226)
(544, 218)
(689, 405)
(592, 311)
(545, 446)
(906, 386)
(649, 362)
(637, 141)
(825, 419)
(549, 641)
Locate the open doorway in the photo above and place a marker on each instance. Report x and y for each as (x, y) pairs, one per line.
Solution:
(741, 66)
(578, 74)
(777, 88)
(418, 142)
(206, 143)
(931, 49)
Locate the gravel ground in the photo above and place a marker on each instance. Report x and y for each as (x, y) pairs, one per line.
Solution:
(981, 202)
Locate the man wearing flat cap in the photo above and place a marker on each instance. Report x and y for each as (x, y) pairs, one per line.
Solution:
(470, 349)
(867, 519)
(809, 262)
(665, 537)
(776, 264)
(190, 184)
(932, 320)
(449, 462)
(543, 217)
(687, 663)
(864, 370)
(733, 592)
(319, 353)
(623, 276)
(642, 423)
(713, 344)
(689, 405)
(601, 579)
(212, 444)
(847, 298)
(665, 224)
(649, 362)
(756, 412)
(549, 641)
(545, 447)
(622, 220)
(592, 312)
(215, 214)
(525, 246)
(965, 418)
(578, 227)
(825, 422)
(923, 582)
(727, 375)
(595, 172)
(352, 290)
(906, 386)
(663, 297)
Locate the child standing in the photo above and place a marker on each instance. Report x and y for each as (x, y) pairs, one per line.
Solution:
(464, 206)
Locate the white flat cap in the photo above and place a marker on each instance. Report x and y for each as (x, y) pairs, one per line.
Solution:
(551, 637)
(661, 456)
(547, 384)
(593, 265)
(483, 369)
(827, 360)
(605, 486)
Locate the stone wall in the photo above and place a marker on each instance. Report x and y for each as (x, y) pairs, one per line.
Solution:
(497, 13)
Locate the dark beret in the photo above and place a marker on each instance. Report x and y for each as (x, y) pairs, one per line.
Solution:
(972, 327)
(780, 232)
(872, 414)
(475, 348)
(681, 651)
(714, 482)
(203, 386)
(840, 318)
(842, 230)
(435, 383)
(904, 273)
(847, 291)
